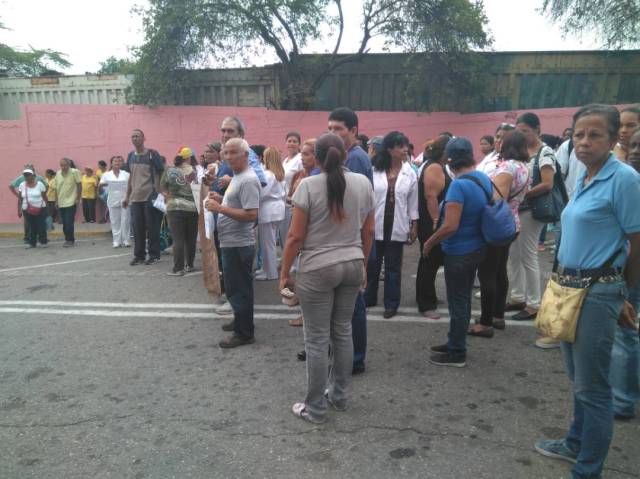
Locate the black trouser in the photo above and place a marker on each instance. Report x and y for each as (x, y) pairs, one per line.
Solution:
(37, 227)
(426, 278)
(216, 242)
(89, 210)
(184, 231)
(68, 217)
(391, 251)
(494, 283)
(238, 276)
(146, 221)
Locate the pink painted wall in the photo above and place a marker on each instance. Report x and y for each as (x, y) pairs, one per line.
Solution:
(88, 133)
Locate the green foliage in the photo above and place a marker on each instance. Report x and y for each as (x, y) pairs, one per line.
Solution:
(32, 62)
(113, 65)
(615, 22)
(182, 34)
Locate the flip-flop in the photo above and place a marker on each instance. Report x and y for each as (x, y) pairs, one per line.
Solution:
(299, 409)
(299, 321)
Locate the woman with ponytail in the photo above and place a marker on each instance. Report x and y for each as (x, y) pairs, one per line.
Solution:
(332, 228)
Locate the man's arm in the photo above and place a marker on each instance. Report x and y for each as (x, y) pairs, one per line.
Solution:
(238, 214)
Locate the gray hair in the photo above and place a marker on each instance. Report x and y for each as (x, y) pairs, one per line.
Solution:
(241, 142)
(237, 121)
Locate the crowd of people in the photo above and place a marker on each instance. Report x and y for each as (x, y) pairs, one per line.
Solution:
(328, 216)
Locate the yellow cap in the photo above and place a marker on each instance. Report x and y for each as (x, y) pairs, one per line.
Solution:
(185, 152)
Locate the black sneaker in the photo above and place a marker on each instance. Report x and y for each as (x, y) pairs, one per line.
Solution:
(151, 261)
(439, 349)
(358, 368)
(302, 355)
(445, 359)
(228, 326)
(136, 261)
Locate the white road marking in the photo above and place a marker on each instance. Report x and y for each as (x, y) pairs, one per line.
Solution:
(22, 245)
(46, 265)
(164, 311)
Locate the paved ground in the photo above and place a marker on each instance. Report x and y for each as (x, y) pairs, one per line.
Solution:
(109, 371)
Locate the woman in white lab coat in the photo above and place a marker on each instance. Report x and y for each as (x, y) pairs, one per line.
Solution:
(271, 213)
(291, 164)
(395, 188)
(115, 182)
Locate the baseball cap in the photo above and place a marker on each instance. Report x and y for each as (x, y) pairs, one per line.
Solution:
(186, 152)
(27, 171)
(459, 148)
(376, 142)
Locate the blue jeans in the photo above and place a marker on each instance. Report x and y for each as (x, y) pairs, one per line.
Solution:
(588, 362)
(625, 365)
(359, 330)
(237, 269)
(391, 251)
(459, 274)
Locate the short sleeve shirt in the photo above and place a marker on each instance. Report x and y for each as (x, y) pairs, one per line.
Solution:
(242, 193)
(327, 242)
(116, 187)
(18, 181)
(66, 187)
(359, 162)
(51, 191)
(174, 180)
(468, 238)
(33, 194)
(89, 187)
(599, 216)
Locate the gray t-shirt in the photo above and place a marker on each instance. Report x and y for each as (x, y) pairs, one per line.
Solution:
(328, 243)
(244, 193)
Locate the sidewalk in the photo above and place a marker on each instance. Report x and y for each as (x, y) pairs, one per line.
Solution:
(82, 230)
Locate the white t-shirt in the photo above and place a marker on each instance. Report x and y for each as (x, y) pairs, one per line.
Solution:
(34, 194)
(547, 158)
(291, 167)
(572, 168)
(116, 187)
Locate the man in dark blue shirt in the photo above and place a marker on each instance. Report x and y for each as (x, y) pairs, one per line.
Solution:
(344, 123)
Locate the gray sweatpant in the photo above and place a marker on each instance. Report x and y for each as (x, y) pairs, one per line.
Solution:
(328, 296)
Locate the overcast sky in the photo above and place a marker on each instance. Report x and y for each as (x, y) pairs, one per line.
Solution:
(89, 31)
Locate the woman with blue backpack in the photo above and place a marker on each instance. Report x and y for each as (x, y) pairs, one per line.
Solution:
(510, 177)
(464, 246)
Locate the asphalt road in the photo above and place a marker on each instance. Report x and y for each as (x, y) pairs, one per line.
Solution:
(112, 371)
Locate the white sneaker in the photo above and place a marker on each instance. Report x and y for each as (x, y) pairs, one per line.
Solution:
(478, 295)
(547, 343)
(224, 310)
(260, 276)
(116, 245)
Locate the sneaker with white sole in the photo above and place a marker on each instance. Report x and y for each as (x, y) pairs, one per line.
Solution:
(556, 448)
(224, 310)
(547, 343)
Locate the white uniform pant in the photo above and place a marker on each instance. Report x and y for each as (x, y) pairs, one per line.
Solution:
(267, 233)
(120, 224)
(524, 269)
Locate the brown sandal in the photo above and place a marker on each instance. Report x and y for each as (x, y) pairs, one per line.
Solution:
(299, 321)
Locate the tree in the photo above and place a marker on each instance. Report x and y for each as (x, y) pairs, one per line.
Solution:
(182, 34)
(32, 62)
(615, 22)
(113, 65)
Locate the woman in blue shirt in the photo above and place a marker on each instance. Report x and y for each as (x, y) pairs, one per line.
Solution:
(605, 201)
(463, 246)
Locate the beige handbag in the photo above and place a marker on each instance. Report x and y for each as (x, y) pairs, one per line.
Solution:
(561, 306)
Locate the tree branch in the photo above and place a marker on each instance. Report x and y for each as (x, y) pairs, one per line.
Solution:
(294, 43)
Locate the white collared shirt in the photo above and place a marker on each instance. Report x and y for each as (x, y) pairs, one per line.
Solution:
(406, 202)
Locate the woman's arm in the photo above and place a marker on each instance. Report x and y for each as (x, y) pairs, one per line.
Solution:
(545, 185)
(366, 233)
(295, 239)
(434, 182)
(632, 270)
(503, 183)
(453, 212)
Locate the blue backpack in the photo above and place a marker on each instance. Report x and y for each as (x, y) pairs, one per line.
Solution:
(497, 224)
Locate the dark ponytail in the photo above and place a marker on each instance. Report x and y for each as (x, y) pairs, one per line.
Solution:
(331, 154)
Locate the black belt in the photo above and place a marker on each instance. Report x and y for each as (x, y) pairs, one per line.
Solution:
(588, 273)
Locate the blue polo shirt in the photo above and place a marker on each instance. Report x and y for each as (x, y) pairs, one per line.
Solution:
(359, 162)
(599, 216)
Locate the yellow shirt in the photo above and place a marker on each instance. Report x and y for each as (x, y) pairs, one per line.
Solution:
(99, 174)
(89, 187)
(66, 187)
(51, 192)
